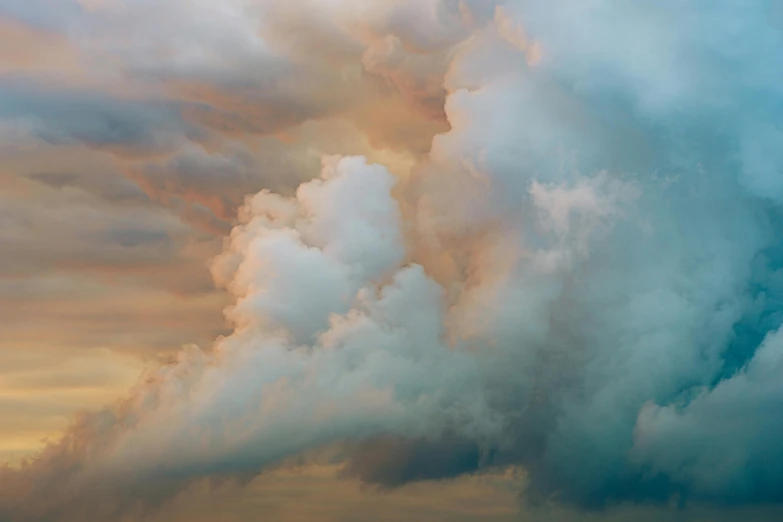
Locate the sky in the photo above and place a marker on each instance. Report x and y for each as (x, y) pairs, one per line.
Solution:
(394, 260)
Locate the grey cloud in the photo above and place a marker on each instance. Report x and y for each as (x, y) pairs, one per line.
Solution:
(221, 180)
(392, 462)
(213, 66)
(722, 444)
(131, 238)
(63, 117)
(109, 186)
(47, 14)
(36, 237)
(207, 188)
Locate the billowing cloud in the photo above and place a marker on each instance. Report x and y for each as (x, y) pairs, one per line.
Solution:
(316, 370)
(579, 278)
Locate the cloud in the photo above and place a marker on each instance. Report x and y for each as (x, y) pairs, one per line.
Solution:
(315, 492)
(580, 278)
(123, 238)
(76, 231)
(111, 188)
(212, 64)
(220, 181)
(341, 250)
(49, 15)
(42, 387)
(34, 49)
(721, 443)
(94, 119)
(392, 462)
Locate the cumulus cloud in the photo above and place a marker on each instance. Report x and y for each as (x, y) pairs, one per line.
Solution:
(347, 347)
(721, 443)
(581, 277)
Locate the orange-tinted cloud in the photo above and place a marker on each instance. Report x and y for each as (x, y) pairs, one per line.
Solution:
(26, 49)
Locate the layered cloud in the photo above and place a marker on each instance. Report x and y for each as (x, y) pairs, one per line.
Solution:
(579, 276)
